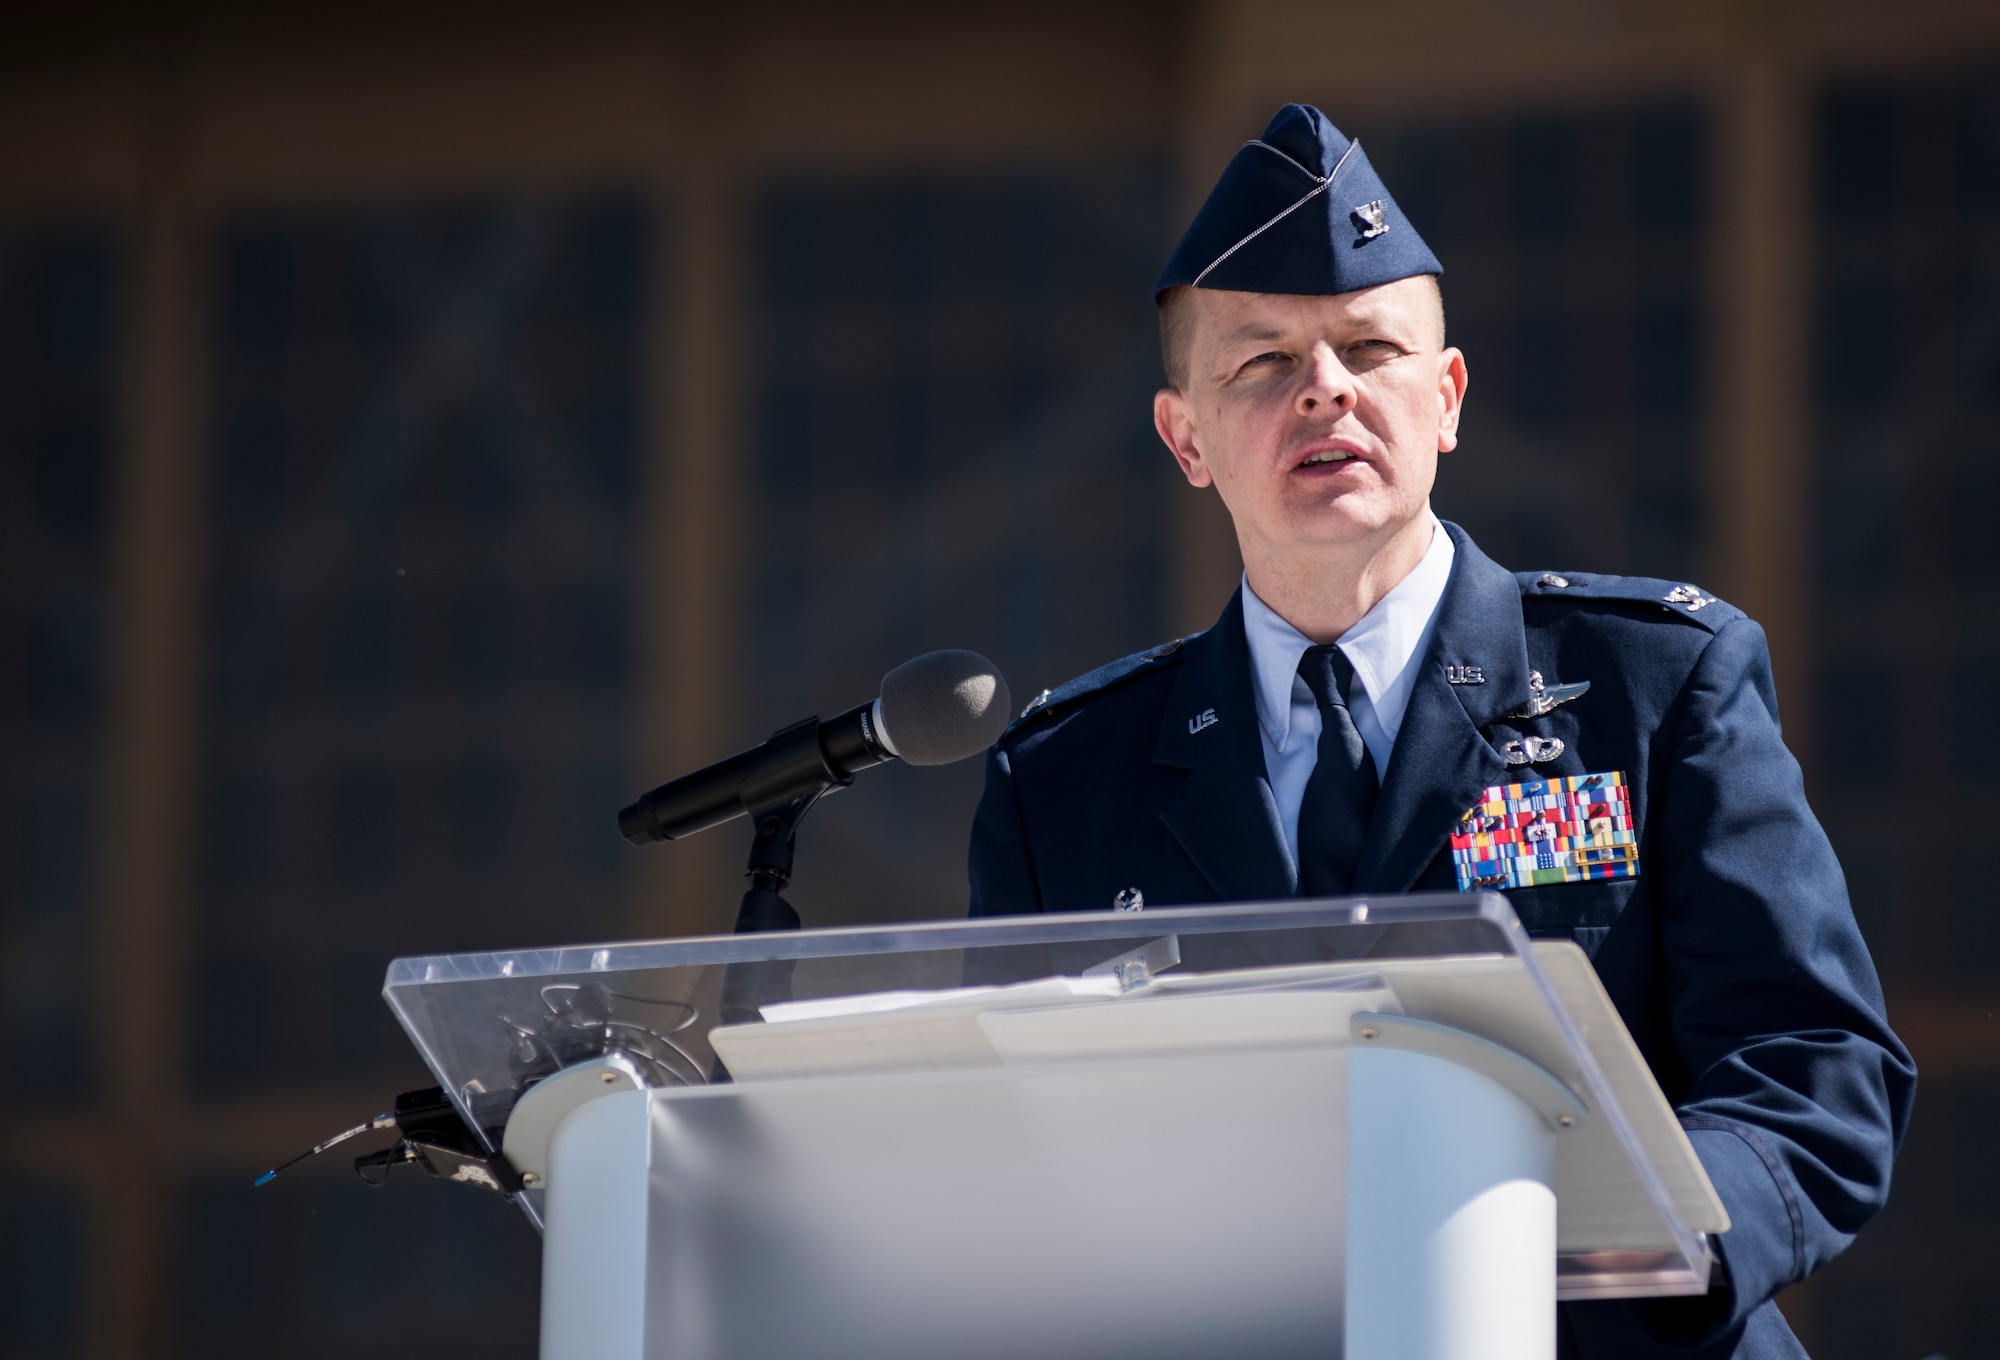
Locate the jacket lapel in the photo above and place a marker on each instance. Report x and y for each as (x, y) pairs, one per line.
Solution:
(1441, 759)
(1224, 815)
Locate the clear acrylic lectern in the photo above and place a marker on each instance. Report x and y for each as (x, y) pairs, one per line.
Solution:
(1388, 1128)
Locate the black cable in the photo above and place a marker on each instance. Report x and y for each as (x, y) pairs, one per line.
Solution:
(380, 1121)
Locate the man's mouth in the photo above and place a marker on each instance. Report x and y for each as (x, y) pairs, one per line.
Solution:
(1325, 456)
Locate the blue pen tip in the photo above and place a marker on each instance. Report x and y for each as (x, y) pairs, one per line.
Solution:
(263, 1178)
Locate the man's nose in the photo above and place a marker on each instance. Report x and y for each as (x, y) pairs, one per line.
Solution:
(1328, 383)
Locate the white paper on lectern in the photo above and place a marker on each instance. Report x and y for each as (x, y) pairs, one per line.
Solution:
(1162, 1025)
(872, 1003)
(1053, 1019)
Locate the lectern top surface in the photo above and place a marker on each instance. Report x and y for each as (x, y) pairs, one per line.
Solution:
(1026, 993)
(1417, 925)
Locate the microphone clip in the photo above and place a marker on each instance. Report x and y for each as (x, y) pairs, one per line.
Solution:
(770, 867)
(432, 1136)
(440, 1163)
(437, 1140)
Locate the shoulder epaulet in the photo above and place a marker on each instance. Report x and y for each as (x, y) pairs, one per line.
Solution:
(1676, 598)
(1097, 681)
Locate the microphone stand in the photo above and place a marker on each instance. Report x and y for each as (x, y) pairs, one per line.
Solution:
(770, 868)
(793, 774)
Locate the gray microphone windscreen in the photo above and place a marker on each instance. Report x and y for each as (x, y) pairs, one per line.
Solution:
(944, 706)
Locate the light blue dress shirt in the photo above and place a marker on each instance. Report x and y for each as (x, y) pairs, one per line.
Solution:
(1384, 648)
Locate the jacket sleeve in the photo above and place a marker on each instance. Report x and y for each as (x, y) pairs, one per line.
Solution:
(1800, 1091)
(1002, 870)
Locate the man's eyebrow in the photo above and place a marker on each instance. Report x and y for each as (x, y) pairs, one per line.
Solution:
(1264, 330)
(1254, 331)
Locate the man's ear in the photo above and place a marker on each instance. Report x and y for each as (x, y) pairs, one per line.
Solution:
(1452, 379)
(1173, 417)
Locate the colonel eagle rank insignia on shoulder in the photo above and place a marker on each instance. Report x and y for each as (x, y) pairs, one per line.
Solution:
(1679, 598)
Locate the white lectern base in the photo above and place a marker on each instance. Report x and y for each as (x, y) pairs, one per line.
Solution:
(1451, 1218)
(1158, 1207)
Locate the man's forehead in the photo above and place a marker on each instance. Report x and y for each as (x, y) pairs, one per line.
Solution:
(1268, 316)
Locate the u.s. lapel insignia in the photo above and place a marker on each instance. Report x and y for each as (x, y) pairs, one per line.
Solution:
(1547, 698)
(1577, 829)
(1464, 675)
(1202, 721)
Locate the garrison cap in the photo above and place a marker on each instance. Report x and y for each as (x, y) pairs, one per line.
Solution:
(1299, 210)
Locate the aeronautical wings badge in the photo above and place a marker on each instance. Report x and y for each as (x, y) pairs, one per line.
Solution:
(1577, 829)
(1547, 698)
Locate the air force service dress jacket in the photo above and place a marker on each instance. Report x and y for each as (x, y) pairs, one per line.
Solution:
(1733, 955)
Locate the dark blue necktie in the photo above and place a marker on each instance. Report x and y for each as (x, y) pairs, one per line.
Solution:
(1340, 796)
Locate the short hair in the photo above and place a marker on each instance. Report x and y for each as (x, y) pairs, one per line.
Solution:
(1177, 329)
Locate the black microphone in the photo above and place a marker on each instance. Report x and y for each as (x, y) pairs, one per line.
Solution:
(938, 708)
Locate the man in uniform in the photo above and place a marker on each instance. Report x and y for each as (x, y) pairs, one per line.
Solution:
(1377, 682)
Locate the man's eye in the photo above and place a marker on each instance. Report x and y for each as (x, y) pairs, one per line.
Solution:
(1269, 357)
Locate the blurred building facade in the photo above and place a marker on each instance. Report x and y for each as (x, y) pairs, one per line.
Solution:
(422, 428)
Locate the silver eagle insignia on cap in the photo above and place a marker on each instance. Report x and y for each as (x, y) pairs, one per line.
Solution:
(1370, 216)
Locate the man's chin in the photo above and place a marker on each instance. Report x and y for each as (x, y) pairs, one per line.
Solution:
(1342, 525)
